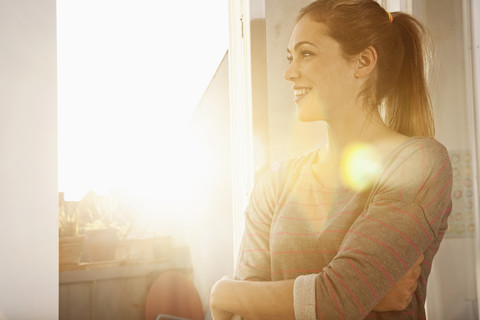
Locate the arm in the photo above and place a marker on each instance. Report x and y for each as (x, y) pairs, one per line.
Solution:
(252, 299)
(408, 207)
(274, 299)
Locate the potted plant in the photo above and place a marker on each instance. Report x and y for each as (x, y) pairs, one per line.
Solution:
(104, 229)
(70, 242)
(101, 242)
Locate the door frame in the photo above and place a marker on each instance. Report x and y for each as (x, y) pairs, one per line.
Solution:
(472, 48)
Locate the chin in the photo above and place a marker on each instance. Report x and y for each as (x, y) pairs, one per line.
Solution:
(306, 116)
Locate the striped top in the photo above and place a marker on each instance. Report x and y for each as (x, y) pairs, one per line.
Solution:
(346, 249)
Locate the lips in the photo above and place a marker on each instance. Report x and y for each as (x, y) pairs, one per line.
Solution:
(300, 92)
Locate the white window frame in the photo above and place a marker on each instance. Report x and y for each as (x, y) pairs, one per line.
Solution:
(397, 5)
(241, 124)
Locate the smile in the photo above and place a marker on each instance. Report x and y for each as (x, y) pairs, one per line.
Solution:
(300, 93)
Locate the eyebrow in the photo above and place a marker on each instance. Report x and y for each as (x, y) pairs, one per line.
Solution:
(298, 44)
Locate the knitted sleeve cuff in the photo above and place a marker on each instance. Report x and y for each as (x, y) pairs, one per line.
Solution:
(304, 297)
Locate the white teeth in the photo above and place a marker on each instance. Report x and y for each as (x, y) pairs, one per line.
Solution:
(300, 92)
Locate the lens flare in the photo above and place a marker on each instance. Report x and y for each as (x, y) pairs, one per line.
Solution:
(360, 165)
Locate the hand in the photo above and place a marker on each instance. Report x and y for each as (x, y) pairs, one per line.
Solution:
(400, 296)
(220, 315)
(215, 301)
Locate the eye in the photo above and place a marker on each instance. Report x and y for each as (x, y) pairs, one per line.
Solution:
(290, 59)
(306, 54)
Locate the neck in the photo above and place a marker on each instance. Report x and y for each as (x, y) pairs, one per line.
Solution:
(357, 128)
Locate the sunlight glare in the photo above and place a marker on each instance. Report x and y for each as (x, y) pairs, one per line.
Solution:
(130, 75)
(360, 165)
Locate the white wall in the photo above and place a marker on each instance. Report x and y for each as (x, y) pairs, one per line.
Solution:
(452, 285)
(28, 160)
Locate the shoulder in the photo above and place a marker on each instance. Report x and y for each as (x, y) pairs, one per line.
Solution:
(430, 159)
(425, 145)
(419, 153)
(421, 165)
(431, 148)
(293, 164)
(280, 172)
(271, 185)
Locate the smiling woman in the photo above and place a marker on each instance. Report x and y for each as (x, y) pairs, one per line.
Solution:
(130, 75)
(346, 231)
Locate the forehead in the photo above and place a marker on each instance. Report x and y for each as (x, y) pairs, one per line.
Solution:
(309, 30)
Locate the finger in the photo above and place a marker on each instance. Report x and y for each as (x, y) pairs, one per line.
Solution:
(416, 269)
(418, 272)
(413, 273)
(406, 301)
(420, 260)
(410, 279)
(413, 288)
(416, 264)
(410, 299)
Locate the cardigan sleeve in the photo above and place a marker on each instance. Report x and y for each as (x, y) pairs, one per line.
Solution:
(253, 262)
(409, 207)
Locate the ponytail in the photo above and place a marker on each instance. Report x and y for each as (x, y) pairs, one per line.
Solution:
(398, 86)
(408, 107)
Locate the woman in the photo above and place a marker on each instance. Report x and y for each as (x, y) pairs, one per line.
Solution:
(340, 233)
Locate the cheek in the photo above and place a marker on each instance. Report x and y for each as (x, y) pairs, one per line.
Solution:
(327, 76)
(338, 73)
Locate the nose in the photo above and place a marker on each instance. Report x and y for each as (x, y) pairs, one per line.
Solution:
(291, 73)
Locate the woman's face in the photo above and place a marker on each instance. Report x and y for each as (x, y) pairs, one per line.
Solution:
(323, 80)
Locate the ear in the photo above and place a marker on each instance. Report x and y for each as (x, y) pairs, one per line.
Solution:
(366, 61)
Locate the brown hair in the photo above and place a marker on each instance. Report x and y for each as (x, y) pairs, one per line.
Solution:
(398, 84)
